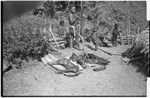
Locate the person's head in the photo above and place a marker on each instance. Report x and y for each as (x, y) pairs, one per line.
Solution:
(72, 8)
(95, 28)
(116, 25)
(71, 29)
(62, 23)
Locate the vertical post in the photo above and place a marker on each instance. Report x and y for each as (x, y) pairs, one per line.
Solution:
(133, 36)
(81, 20)
(121, 38)
(128, 36)
(130, 32)
(138, 31)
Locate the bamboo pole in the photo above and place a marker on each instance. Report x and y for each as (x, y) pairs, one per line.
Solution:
(133, 36)
(136, 34)
(129, 33)
(126, 36)
(121, 38)
(138, 31)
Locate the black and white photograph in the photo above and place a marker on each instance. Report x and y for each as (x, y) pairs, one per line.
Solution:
(74, 48)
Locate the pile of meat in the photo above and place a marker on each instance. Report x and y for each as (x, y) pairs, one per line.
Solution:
(74, 65)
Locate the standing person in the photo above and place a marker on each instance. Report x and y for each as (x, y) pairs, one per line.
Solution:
(115, 33)
(72, 17)
(62, 29)
(70, 38)
(94, 37)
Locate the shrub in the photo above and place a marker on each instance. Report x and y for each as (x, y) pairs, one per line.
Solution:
(23, 38)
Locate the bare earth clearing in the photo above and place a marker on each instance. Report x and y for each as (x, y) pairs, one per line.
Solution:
(38, 79)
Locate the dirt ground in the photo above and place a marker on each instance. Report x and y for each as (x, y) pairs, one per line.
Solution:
(39, 79)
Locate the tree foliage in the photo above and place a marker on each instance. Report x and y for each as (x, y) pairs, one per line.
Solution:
(23, 38)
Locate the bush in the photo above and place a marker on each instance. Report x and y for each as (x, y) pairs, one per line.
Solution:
(23, 38)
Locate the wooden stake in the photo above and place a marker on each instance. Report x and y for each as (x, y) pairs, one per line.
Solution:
(121, 38)
(138, 31)
(127, 36)
(129, 33)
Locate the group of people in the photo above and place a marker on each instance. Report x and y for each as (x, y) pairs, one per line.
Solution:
(73, 37)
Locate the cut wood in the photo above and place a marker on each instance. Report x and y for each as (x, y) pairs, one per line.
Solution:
(102, 50)
(61, 42)
(49, 59)
(52, 40)
(136, 58)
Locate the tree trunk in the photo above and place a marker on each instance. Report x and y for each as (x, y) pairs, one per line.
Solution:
(81, 24)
